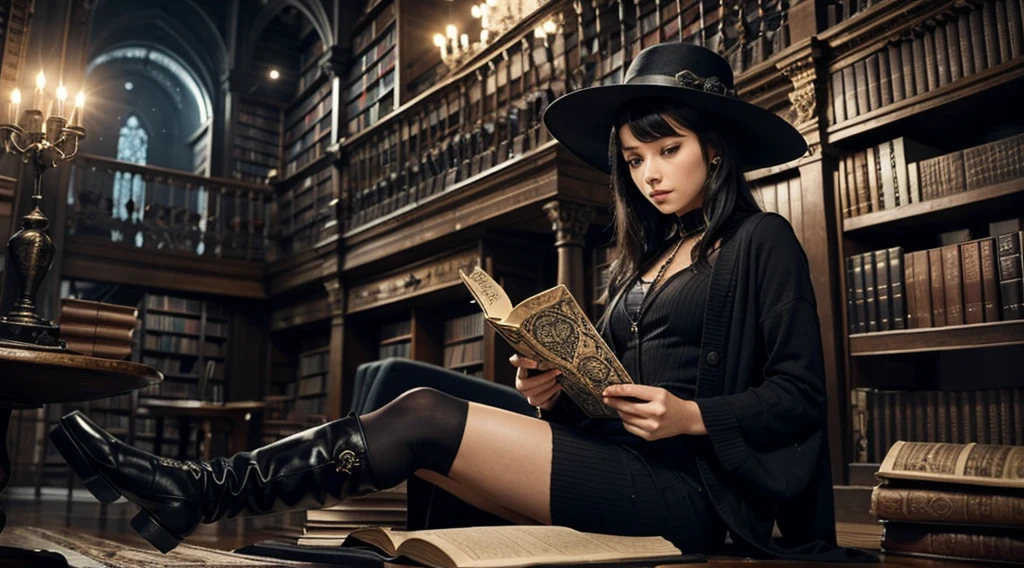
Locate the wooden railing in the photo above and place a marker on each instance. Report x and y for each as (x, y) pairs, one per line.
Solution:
(163, 209)
(490, 110)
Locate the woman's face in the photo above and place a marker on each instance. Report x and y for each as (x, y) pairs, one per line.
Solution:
(670, 172)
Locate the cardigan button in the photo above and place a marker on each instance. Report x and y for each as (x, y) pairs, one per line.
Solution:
(712, 358)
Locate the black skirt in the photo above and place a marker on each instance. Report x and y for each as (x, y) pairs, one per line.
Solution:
(600, 486)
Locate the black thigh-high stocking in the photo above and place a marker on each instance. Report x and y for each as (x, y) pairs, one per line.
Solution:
(421, 429)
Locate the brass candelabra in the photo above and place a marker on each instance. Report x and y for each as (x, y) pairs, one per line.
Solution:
(44, 142)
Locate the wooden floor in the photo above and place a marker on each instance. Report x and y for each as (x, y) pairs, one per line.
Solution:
(84, 516)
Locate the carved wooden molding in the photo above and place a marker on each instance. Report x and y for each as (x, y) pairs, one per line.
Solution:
(412, 281)
(308, 309)
(855, 38)
(335, 297)
(569, 221)
(803, 98)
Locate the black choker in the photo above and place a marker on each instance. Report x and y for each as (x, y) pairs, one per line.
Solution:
(691, 221)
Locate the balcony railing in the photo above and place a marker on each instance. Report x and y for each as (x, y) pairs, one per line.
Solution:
(490, 111)
(163, 209)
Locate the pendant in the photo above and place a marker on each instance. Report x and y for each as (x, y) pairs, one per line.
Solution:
(633, 328)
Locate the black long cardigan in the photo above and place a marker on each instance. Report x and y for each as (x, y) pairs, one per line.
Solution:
(761, 393)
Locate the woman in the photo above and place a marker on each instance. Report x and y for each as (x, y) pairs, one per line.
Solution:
(712, 313)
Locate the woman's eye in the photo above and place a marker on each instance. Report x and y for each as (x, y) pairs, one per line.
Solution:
(633, 162)
(670, 150)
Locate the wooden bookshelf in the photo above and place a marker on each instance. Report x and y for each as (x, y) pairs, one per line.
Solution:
(939, 213)
(256, 147)
(463, 344)
(395, 339)
(897, 342)
(187, 340)
(369, 93)
(311, 380)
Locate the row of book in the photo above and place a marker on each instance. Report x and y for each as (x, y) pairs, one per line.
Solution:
(313, 384)
(463, 327)
(962, 283)
(881, 417)
(464, 353)
(182, 346)
(954, 501)
(98, 329)
(174, 304)
(970, 39)
(313, 363)
(903, 171)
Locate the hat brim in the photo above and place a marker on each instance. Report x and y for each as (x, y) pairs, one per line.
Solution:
(582, 122)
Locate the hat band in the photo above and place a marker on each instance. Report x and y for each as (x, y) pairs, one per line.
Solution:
(687, 79)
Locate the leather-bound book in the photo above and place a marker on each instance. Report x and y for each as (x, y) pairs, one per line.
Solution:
(974, 305)
(953, 284)
(898, 315)
(885, 77)
(838, 98)
(896, 71)
(965, 49)
(991, 306)
(951, 35)
(931, 58)
(953, 542)
(883, 290)
(1011, 290)
(923, 290)
(873, 80)
(1016, 28)
(1002, 29)
(870, 291)
(910, 290)
(937, 279)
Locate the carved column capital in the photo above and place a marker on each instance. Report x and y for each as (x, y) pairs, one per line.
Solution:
(569, 221)
(803, 73)
(335, 299)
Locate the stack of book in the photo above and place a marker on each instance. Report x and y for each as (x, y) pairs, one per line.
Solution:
(331, 525)
(952, 500)
(97, 329)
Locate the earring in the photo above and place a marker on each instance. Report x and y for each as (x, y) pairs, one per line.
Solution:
(717, 161)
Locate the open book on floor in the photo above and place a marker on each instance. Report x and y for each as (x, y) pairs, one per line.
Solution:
(517, 546)
(551, 328)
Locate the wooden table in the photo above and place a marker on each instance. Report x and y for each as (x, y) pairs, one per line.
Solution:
(30, 378)
(236, 416)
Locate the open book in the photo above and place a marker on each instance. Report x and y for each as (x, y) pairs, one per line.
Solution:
(551, 328)
(515, 546)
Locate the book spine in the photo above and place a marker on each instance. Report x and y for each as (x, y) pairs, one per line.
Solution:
(980, 546)
(933, 506)
(952, 282)
(859, 293)
(870, 291)
(974, 305)
(952, 38)
(883, 290)
(991, 307)
(897, 287)
(1010, 275)
(936, 278)
(896, 70)
(910, 290)
(851, 299)
(922, 282)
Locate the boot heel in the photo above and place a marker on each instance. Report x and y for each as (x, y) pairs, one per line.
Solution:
(99, 487)
(149, 529)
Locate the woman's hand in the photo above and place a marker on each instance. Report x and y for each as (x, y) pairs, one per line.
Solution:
(656, 414)
(540, 390)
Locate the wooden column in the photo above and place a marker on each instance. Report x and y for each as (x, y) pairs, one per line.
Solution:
(335, 395)
(570, 221)
(807, 73)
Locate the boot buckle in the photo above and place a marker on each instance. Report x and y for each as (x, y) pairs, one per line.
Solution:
(346, 461)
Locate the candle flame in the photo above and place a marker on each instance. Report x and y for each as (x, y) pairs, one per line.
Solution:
(16, 97)
(62, 93)
(80, 99)
(40, 80)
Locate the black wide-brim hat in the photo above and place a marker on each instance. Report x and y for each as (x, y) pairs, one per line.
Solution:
(690, 75)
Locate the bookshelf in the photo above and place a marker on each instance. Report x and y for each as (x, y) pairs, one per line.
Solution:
(369, 92)
(395, 339)
(928, 193)
(463, 347)
(256, 146)
(303, 210)
(185, 339)
(311, 384)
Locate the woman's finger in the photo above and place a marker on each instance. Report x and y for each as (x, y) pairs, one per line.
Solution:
(537, 383)
(622, 405)
(545, 395)
(522, 362)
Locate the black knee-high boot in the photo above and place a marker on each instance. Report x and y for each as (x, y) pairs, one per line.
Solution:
(314, 468)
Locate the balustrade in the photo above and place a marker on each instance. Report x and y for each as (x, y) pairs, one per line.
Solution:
(162, 209)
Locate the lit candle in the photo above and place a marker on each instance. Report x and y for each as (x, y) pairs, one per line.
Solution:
(452, 31)
(79, 111)
(439, 42)
(464, 40)
(484, 35)
(15, 106)
(37, 102)
(62, 95)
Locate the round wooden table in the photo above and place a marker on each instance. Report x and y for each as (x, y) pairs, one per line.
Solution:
(30, 378)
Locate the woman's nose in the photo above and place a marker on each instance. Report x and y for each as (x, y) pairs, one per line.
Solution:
(652, 177)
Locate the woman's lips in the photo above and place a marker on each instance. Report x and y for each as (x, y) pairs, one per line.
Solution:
(660, 195)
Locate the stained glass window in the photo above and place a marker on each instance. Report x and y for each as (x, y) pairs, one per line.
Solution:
(132, 147)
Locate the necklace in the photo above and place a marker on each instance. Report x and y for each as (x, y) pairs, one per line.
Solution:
(634, 325)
